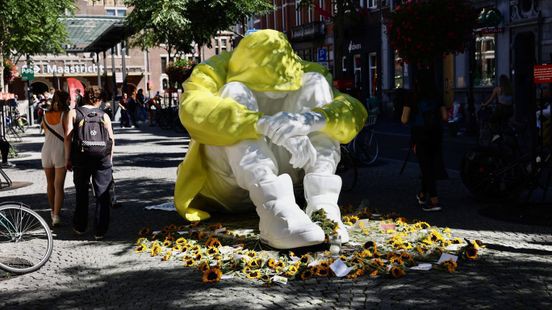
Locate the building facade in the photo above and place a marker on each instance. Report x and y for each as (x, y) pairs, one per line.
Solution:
(145, 69)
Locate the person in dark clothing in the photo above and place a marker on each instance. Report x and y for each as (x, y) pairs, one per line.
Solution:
(132, 107)
(84, 168)
(78, 98)
(425, 113)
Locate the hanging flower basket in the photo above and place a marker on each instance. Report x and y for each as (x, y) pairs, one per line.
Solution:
(421, 30)
(10, 71)
(179, 71)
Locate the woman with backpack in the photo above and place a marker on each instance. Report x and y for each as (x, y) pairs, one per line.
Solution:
(425, 113)
(52, 155)
(89, 144)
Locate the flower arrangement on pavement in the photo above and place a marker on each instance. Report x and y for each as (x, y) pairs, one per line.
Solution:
(387, 246)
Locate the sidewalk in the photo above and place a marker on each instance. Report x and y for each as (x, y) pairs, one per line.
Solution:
(514, 272)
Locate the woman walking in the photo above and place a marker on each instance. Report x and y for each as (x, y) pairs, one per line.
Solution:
(503, 94)
(53, 154)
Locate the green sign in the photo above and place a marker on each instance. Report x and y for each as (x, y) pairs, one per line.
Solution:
(27, 74)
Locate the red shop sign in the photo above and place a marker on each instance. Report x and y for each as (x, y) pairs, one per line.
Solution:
(542, 74)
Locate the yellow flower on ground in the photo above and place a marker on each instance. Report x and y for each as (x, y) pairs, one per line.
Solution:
(397, 272)
(355, 274)
(177, 248)
(156, 249)
(251, 254)
(266, 278)
(255, 263)
(370, 245)
(212, 275)
(204, 266)
(141, 248)
(470, 252)
(321, 271)
(167, 243)
(422, 225)
(306, 258)
(167, 256)
(306, 274)
(292, 270)
(374, 273)
(212, 251)
(253, 274)
(181, 241)
(213, 242)
(450, 265)
(271, 263)
(141, 240)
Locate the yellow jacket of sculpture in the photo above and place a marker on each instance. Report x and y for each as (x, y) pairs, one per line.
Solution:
(263, 61)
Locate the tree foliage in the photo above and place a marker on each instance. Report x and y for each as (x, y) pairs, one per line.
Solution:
(177, 24)
(26, 30)
(422, 30)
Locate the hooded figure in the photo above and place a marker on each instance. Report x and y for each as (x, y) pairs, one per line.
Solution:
(260, 121)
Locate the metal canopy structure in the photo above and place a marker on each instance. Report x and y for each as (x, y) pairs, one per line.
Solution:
(94, 33)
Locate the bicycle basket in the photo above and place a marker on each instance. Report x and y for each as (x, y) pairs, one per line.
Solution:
(371, 121)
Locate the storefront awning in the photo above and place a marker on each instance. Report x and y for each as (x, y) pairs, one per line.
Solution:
(94, 33)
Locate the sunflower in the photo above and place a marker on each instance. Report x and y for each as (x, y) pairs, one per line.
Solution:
(396, 259)
(194, 224)
(172, 227)
(374, 273)
(321, 271)
(177, 248)
(204, 266)
(397, 272)
(167, 243)
(271, 263)
(255, 263)
(355, 274)
(266, 278)
(251, 254)
(370, 245)
(305, 259)
(182, 227)
(253, 274)
(422, 225)
(212, 251)
(211, 275)
(197, 257)
(246, 270)
(142, 247)
(292, 270)
(167, 256)
(141, 240)
(169, 237)
(378, 262)
(189, 262)
(213, 242)
(306, 274)
(144, 232)
(156, 249)
(181, 241)
(470, 252)
(456, 241)
(450, 265)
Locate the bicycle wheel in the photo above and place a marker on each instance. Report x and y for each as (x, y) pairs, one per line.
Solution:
(25, 239)
(347, 170)
(366, 148)
(488, 177)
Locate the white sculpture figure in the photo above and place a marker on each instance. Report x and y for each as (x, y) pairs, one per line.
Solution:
(262, 120)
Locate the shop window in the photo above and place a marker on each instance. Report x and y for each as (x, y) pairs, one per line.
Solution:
(485, 61)
(373, 65)
(399, 71)
(344, 63)
(357, 67)
(298, 12)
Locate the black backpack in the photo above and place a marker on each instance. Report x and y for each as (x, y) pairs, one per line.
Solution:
(90, 137)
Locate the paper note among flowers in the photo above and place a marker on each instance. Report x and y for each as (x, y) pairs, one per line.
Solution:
(387, 226)
(340, 269)
(422, 266)
(445, 257)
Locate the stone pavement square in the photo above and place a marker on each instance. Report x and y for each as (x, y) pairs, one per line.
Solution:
(515, 272)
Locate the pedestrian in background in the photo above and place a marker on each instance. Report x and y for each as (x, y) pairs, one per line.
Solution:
(132, 106)
(78, 98)
(504, 109)
(53, 154)
(85, 166)
(425, 114)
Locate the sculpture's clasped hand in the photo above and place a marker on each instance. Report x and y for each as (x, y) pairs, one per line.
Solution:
(284, 125)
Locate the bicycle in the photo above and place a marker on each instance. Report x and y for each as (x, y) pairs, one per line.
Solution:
(364, 148)
(26, 241)
(502, 169)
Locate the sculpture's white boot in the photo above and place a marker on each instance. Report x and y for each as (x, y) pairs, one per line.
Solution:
(322, 192)
(283, 225)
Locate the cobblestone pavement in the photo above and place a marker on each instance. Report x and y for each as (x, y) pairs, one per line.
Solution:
(515, 271)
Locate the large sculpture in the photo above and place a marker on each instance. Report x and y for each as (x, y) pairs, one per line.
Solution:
(262, 120)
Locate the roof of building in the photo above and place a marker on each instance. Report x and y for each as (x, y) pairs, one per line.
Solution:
(94, 33)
